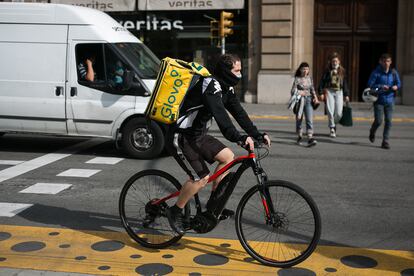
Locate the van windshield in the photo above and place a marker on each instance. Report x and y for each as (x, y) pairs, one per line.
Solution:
(141, 58)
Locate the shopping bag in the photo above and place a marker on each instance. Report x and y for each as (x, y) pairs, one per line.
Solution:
(346, 119)
(315, 105)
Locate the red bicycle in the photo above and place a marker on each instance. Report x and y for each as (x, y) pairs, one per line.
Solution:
(277, 222)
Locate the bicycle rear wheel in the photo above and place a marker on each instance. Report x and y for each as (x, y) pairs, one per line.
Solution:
(290, 236)
(146, 223)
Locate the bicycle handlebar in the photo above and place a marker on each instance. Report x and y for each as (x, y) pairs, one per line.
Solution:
(257, 144)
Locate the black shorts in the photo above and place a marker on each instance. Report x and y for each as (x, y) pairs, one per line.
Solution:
(199, 149)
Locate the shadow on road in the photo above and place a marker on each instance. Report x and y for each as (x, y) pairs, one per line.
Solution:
(49, 144)
(98, 224)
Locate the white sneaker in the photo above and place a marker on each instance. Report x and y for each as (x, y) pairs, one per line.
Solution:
(332, 133)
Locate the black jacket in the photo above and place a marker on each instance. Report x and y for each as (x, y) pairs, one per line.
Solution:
(209, 99)
(325, 83)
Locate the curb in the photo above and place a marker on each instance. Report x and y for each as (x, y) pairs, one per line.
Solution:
(324, 118)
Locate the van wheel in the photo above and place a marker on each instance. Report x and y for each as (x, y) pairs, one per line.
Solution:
(141, 141)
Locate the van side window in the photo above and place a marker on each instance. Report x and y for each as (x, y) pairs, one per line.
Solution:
(120, 74)
(101, 68)
(89, 62)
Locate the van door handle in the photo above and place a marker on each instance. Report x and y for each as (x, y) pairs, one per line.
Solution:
(73, 91)
(59, 90)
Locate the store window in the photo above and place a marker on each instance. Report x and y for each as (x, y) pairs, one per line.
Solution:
(186, 35)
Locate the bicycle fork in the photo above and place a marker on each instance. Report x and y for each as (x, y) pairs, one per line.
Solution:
(265, 197)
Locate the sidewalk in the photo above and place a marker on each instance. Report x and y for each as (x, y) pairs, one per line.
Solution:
(359, 110)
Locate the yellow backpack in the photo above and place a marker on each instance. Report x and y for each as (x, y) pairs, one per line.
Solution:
(174, 80)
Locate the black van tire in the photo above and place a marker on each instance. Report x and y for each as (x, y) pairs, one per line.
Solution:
(140, 141)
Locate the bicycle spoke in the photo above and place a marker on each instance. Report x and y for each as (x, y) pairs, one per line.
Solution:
(144, 222)
(288, 236)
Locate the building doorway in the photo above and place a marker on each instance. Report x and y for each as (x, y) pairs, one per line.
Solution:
(360, 31)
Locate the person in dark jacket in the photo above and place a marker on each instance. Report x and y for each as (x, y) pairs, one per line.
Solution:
(387, 82)
(210, 98)
(333, 89)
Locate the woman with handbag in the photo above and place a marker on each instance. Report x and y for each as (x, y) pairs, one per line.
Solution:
(306, 101)
(333, 89)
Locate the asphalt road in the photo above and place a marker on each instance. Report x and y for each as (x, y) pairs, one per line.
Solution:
(364, 193)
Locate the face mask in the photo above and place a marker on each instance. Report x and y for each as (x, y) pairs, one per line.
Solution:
(336, 66)
(225, 76)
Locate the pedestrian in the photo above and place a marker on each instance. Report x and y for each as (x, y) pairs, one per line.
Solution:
(333, 89)
(304, 90)
(387, 81)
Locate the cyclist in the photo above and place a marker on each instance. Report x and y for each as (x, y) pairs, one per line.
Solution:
(210, 97)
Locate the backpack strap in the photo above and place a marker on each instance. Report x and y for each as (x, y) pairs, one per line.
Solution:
(194, 81)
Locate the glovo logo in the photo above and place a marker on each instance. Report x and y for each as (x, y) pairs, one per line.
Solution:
(167, 107)
(197, 66)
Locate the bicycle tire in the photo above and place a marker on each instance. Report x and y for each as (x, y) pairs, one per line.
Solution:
(152, 231)
(283, 236)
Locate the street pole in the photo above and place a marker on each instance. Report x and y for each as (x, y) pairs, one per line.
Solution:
(223, 45)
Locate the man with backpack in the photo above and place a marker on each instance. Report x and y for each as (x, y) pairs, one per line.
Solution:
(387, 82)
(210, 98)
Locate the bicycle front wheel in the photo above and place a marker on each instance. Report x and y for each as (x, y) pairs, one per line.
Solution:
(293, 231)
(147, 223)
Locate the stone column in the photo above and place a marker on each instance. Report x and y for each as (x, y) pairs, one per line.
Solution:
(254, 51)
(405, 49)
(286, 40)
(303, 18)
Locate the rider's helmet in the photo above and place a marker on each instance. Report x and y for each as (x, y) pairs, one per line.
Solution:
(369, 95)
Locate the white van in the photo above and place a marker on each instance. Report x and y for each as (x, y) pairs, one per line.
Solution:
(44, 50)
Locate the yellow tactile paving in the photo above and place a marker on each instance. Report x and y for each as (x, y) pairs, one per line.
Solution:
(324, 118)
(112, 253)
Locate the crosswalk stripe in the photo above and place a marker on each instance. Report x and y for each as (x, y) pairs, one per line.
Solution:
(10, 162)
(38, 162)
(78, 173)
(11, 209)
(105, 160)
(46, 188)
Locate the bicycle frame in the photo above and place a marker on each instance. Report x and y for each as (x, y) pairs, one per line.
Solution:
(264, 217)
(246, 161)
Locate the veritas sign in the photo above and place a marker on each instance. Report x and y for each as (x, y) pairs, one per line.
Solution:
(190, 4)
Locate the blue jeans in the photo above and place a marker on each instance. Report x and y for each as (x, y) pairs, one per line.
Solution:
(308, 111)
(334, 106)
(381, 110)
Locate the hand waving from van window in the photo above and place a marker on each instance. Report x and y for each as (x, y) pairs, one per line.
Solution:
(86, 70)
(90, 73)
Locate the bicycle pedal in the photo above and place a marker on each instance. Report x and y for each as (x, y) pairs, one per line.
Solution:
(226, 214)
(223, 217)
(147, 222)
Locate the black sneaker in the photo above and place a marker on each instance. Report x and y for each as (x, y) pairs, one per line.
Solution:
(311, 142)
(371, 136)
(385, 145)
(226, 213)
(299, 140)
(176, 219)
